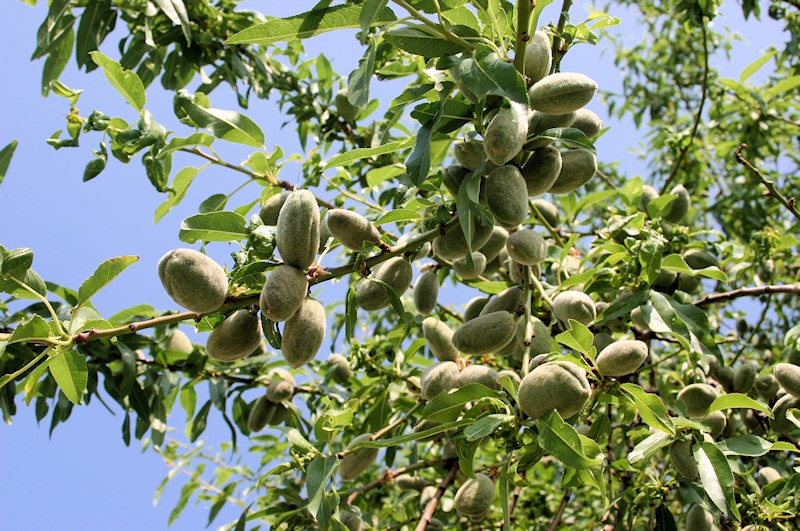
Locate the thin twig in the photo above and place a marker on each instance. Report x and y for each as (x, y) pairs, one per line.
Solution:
(389, 476)
(559, 512)
(698, 116)
(725, 296)
(768, 184)
(430, 509)
(562, 21)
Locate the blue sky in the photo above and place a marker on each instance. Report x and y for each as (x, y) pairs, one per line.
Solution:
(84, 478)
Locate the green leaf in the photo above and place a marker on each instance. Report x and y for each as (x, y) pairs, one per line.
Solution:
(397, 215)
(420, 40)
(195, 139)
(33, 379)
(415, 436)
(754, 446)
(344, 159)
(97, 21)
(676, 263)
(782, 87)
(716, 478)
(105, 273)
(227, 125)
(71, 374)
(34, 328)
(569, 137)
(125, 81)
(486, 74)
(220, 226)
(650, 408)
(562, 441)
(488, 286)
(176, 12)
(578, 337)
(16, 261)
(180, 185)
(737, 401)
(57, 59)
(308, 24)
(486, 426)
(394, 299)
(756, 65)
(649, 446)
(359, 79)
(447, 407)
(296, 438)
(370, 12)
(319, 472)
(5, 158)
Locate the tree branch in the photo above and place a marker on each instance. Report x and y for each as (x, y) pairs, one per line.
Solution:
(389, 476)
(430, 509)
(523, 34)
(725, 296)
(559, 512)
(562, 21)
(770, 185)
(698, 117)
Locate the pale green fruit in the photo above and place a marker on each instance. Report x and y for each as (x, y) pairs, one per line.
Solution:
(781, 424)
(680, 452)
(283, 293)
(464, 271)
(439, 378)
(281, 386)
(527, 247)
(236, 337)
(680, 206)
(324, 235)
(426, 292)
(475, 496)
(338, 368)
(507, 300)
(422, 251)
(558, 385)
(577, 167)
(537, 360)
(788, 375)
(193, 280)
(351, 518)
(357, 461)
(440, 339)
(179, 342)
(454, 244)
(507, 196)
(621, 357)
(588, 122)
(698, 519)
(766, 386)
(743, 378)
(453, 176)
(542, 170)
(303, 333)
(542, 341)
(541, 122)
(351, 228)
(697, 398)
(726, 377)
(396, 272)
(768, 475)
(601, 339)
(548, 211)
(665, 278)
(496, 243)
(648, 194)
(297, 235)
(347, 110)
(427, 495)
(469, 153)
(716, 422)
(688, 284)
(700, 259)
(272, 207)
(574, 305)
(562, 92)
(485, 334)
(474, 307)
(409, 482)
(538, 57)
(506, 133)
(261, 413)
(478, 374)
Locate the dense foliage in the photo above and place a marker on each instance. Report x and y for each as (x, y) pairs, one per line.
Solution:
(614, 378)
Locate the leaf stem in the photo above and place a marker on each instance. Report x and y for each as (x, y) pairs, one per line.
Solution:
(768, 183)
(698, 116)
(438, 28)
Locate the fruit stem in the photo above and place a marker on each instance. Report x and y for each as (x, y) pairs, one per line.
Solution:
(768, 184)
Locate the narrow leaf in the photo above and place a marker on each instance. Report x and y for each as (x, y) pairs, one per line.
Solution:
(105, 273)
(346, 158)
(5, 158)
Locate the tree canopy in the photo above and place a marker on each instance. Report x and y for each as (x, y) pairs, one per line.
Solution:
(629, 357)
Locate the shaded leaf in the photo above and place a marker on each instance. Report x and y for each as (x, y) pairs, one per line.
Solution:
(485, 73)
(562, 441)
